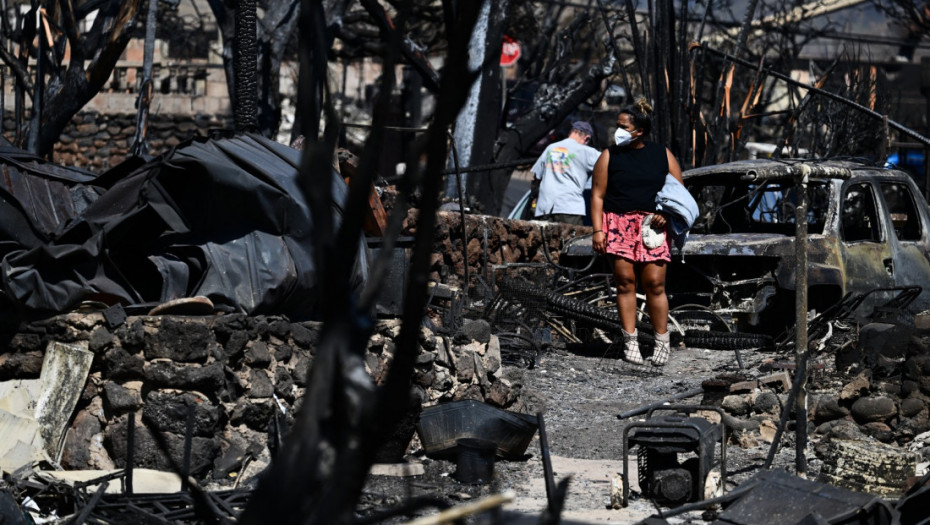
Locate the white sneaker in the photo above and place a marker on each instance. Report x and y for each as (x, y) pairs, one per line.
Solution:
(663, 349)
(631, 348)
(652, 238)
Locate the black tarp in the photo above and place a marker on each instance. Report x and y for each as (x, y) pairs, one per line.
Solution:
(222, 218)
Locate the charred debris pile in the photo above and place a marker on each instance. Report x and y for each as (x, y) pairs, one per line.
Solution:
(868, 399)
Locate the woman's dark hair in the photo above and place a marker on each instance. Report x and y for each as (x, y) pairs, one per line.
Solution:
(641, 112)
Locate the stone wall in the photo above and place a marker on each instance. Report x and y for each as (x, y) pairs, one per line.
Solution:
(491, 241)
(99, 141)
(243, 378)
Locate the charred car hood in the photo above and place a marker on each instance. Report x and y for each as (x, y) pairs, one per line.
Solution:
(739, 244)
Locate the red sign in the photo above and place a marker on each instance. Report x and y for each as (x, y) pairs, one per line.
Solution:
(510, 51)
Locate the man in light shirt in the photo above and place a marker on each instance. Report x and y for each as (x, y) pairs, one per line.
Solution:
(561, 173)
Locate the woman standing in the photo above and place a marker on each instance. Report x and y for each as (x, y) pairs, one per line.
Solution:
(627, 178)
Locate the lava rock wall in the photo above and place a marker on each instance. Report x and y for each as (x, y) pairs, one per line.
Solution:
(236, 380)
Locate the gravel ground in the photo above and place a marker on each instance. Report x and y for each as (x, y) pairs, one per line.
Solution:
(580, 391)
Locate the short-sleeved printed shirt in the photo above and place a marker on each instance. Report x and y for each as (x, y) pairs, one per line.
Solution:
(563, 170)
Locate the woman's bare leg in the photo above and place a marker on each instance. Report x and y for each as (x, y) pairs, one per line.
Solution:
(625, 279)
(653, 282)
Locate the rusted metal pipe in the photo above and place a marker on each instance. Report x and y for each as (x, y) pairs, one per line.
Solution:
(646, 408)
(546, 460)
(130, 451)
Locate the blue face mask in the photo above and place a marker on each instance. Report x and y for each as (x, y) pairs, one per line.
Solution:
(622, 137)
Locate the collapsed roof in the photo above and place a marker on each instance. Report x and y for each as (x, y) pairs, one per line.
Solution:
(221, 218)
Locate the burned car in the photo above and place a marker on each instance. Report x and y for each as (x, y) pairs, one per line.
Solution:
(867, 230)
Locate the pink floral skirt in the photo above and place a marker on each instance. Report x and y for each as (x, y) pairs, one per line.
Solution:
(625, 239)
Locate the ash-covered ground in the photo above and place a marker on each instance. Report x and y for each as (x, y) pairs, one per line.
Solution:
(580, 392)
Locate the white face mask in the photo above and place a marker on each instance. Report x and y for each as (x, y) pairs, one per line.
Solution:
(622, 137)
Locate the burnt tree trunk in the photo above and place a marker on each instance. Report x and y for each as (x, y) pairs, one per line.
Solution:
(69, 88)
(481, 113)
(276, 26)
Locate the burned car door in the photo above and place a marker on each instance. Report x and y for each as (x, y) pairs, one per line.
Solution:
(907, 215)
(865, 249)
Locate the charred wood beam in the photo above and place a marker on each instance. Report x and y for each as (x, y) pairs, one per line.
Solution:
(833, 96)
(276, 28)
(71, 30)
(615, 48)
(664, 60)
(39, 99)
(535, 56)
(680, 125)
(638, 49)
(19, 72)
(795, 115)
(720, 126)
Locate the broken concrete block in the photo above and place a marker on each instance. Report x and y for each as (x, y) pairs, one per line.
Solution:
(36, 412)
(922, 321)
(745, 439)
(64, 371)
(866, 466)
(492, 357)
(464, 361)
(444, 354)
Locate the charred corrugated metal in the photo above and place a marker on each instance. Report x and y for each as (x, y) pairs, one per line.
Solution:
(42, 196)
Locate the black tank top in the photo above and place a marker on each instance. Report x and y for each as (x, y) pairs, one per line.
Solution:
(634, 178)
